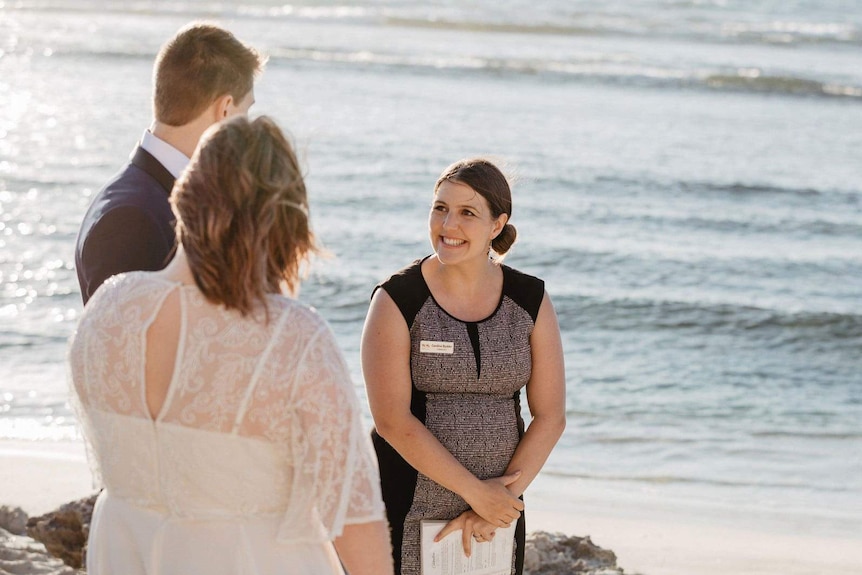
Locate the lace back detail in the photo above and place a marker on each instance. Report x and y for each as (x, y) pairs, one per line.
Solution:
(283, 427)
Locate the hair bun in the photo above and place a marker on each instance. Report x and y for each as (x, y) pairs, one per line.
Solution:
(504, 239)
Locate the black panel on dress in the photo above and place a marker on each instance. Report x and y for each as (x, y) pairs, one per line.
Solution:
(408, 290)
(527, 291)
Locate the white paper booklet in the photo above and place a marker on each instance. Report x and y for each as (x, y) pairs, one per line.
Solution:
(447, 557)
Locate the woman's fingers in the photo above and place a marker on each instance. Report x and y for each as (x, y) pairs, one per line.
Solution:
(467, 541)
(507, 518)
(451, 527)
(483, 534)
(495, 503)
(472, 527)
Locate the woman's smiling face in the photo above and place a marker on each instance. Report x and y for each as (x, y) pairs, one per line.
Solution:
(460, 224)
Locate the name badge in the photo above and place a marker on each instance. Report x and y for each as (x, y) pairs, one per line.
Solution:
(447, 347)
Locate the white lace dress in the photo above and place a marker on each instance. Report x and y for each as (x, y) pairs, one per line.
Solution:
(255, 462)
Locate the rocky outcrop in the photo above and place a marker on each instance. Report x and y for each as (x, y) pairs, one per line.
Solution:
(558, 554)
(20, 555)
(64, 532)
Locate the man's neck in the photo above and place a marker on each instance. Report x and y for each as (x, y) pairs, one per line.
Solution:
(184, 138)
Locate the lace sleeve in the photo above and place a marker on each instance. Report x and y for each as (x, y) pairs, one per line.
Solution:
(335, 476)
(87, 342)
(74, 371)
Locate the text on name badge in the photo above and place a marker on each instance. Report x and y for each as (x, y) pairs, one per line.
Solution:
(447, 347)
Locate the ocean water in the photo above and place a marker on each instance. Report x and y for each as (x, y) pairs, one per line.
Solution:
(688, 182)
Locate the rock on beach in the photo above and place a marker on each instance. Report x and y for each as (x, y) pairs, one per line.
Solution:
(64, 531)
(559, 554)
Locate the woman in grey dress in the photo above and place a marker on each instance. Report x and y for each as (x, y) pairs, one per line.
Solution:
(448, 344)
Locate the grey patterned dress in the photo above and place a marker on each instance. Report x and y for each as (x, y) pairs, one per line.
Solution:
(467, 379)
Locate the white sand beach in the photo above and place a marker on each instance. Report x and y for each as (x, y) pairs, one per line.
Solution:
(650, 536)
(654, 536)
(39, 476)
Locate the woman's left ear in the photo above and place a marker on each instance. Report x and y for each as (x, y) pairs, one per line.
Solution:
(499, 224)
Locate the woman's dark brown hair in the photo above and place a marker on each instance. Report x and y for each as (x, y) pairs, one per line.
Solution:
(490, 183)
(242, 214)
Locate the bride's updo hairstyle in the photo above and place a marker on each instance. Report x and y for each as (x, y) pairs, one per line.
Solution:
(242, 214)
(489, 182)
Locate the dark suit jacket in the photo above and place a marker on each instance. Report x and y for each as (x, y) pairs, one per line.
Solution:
(129, 226)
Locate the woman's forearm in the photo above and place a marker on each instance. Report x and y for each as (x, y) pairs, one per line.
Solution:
(425, 453)
(418, 446)
(533, 450)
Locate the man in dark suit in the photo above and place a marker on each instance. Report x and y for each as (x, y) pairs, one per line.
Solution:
(202, 75)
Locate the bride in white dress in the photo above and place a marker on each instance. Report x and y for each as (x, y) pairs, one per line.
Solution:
(220, 414)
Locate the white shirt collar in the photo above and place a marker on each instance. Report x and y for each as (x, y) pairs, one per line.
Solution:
(171, 158)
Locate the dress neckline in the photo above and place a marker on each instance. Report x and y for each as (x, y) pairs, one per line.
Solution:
(441, 308)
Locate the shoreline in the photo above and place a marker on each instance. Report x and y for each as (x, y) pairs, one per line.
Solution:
(650, 535)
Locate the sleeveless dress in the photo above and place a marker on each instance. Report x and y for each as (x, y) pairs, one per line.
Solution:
(467, 378)
(257, 458)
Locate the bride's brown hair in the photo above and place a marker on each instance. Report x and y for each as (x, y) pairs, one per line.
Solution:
(242, 214)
